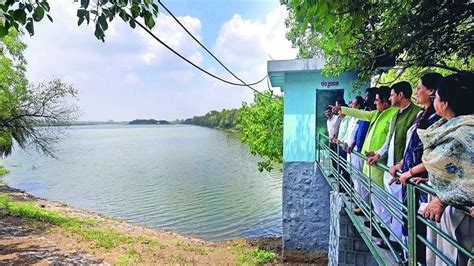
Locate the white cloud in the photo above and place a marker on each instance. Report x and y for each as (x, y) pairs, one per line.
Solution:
(173, 35)
(246, 45)
(131, 75)
(251, 42)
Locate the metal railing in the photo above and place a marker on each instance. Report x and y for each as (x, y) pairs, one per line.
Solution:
(332, 166)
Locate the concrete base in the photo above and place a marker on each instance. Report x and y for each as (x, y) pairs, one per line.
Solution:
(346, 245)
(305, 210)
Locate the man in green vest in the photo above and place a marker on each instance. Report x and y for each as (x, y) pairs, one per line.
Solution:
(394, 147)
(376, 135)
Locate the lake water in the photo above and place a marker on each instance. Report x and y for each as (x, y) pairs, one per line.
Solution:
(193, 180)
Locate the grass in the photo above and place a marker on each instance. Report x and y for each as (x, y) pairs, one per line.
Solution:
(103, 238)
(176, 242)
(127, 260)
(35, 213)
(131, 257)
(237, 247)
(195, 250)
(253, 257)
(180, 259)
(106, 239)
(3, 171)
(256, 257)
(151, 243)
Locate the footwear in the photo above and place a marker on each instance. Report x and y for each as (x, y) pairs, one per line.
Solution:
(396, 246)
(367, 224)
(375, 233)
(358, 212)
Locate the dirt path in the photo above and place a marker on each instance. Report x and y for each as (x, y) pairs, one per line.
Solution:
(108, 241)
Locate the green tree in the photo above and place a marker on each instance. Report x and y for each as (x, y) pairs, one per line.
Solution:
(413, 74)
(225, 119)
(22, 14)
(24, 106)
(261, 124)
(364, 35)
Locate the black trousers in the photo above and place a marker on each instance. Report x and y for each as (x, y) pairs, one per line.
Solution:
(343, 155)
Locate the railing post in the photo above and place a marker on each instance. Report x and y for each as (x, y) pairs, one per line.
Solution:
(370, 198)
(351, 185)
(411, 216)
(338, 177)
(318, 149)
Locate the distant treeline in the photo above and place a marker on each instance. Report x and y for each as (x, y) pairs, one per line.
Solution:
(148, 122)
(225, 119)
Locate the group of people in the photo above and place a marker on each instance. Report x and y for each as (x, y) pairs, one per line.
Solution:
(430, 141)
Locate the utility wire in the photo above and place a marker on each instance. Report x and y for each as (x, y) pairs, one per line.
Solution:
(189, 62)
(207, 50)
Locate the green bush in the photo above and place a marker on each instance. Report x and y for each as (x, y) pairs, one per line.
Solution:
(256, 257)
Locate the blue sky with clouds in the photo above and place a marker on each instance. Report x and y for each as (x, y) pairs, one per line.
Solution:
(131, 76)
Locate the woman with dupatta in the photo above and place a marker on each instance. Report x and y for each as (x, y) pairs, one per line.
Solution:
(449, 159)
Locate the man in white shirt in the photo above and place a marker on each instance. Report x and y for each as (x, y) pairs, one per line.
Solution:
(356, 161)
(333, 123)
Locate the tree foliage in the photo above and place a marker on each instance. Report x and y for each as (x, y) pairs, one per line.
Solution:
(143, 122)
(413, 74)
(261, 124)
(22, 14)
(226, 119)
(364, 35)
(23, 106)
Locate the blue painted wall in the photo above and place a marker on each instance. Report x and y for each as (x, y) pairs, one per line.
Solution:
(299, 125)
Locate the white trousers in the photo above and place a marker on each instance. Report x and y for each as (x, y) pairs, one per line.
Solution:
(396, 191)
(358, 163)
(381, 211)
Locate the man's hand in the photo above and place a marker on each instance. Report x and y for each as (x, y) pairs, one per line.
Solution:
(394, 169)
(335, 108)
(472, 212)
(344, 147)
(394, 180)
(434, 210)
(369, 154)
(350, 149)
(373, 159)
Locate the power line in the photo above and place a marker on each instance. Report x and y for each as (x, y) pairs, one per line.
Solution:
(207, 50)
(191, 63)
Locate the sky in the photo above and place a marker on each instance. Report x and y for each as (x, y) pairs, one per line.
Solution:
(131, 76)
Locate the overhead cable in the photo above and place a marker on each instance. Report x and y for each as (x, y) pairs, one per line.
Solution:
(207, 50)
(191, 63)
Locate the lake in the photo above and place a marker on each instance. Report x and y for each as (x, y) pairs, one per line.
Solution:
(193, 180)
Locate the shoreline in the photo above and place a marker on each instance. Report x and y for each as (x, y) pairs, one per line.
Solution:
(141, 244)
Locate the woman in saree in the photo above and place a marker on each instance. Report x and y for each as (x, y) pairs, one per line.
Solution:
(448, 157)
